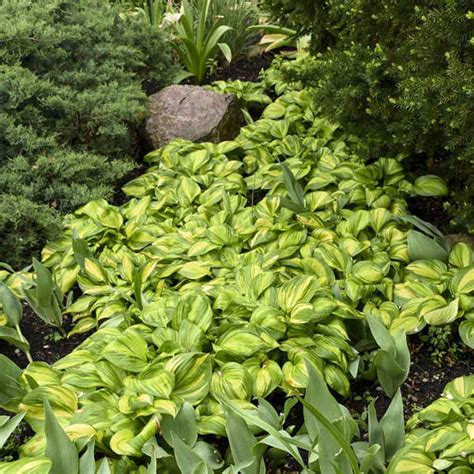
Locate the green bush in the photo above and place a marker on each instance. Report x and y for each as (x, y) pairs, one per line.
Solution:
(24, 225)
(402, 75)
(71, 99)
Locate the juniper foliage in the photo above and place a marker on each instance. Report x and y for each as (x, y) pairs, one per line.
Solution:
(71, 98)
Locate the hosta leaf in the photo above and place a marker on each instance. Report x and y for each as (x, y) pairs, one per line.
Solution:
(443, 315)
(109, 216)
(369, 272)
(274, 111)
(379, 217)
(154, 381)
(461, 255)
(36, 465)
(188, 190)
(194, 270)
(201, 248)
(466, 331)
(463, 281)
(187, 459)
(266, 375)
(195, 308)
(252, 281)
(430, 269)
(461, 388)
(11, 305)
(232, 381)
(128, 351)
(300, 289)
(193, 374)
(422, 247)
(182, 426)
(430, 186)
(94, 270)
(244, 342)
(128, 443)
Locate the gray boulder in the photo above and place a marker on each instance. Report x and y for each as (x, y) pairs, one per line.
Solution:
(192, 113)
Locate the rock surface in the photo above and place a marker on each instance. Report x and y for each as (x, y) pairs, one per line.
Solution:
(192, 113)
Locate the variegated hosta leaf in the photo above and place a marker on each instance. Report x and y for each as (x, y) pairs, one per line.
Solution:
(128, 351)
(36, 465)
(429, 269)
(265, 374)
(193, 372)
(196, 309)
(231, 381)
(368, 272)
(127, 443)
(295, 371)
(271, 319)
(461, 388)
(243, 342)
(194, 270)
(461, 255)
(62, 399)
(154, 381)
(443, 315)
(463, 281)
(430, 186)
(300, 289)
(466, 332)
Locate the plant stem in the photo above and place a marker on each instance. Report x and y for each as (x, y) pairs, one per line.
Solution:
(23, 339)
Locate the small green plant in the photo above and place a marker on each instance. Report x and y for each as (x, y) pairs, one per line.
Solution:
(327, 434)
(439, 437)
(439, 341)
(45, 297)
(153, 12)
(13, 311)
(197, 44)
(393, 358)
(240, 15)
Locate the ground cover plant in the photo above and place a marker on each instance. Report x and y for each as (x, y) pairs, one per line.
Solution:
(71, 95)
(235, 271)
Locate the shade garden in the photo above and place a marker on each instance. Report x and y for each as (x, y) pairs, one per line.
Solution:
(250, 306)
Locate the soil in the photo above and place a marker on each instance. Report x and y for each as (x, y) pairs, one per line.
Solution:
(424, 384)
(242, 69)
(46, 342)
(431, 209)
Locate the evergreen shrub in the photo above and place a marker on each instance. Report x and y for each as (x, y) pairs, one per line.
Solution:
(72, 78)
(399, 73)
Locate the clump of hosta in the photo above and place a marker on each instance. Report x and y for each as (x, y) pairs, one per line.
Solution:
(234, 265)
(441, 436)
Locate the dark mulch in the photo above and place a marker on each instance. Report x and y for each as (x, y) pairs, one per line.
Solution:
(431, 209)
(424, 384)
(46, 345)
(245, 69)
(46, 342)
(21, 435)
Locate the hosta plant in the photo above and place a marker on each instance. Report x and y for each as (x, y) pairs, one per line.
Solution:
(230, 268)
(441, 436)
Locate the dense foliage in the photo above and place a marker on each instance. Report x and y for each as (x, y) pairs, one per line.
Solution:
(400, 74)
(71, 94)
(233, 272)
